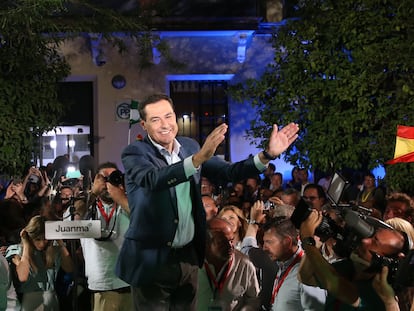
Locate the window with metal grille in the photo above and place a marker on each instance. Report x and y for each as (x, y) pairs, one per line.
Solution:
(200, 106)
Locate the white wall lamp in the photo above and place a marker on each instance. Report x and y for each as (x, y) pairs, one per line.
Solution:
(242, 38)
(241, 48)
(156, 54)
(53, 144)
(98, 57)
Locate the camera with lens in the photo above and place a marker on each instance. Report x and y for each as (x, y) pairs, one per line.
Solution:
(33, 179)
(346, 241)
(268, 206)
(403, 275)
(358, 224)
(400, 270)
(378, 261)
(116, 178)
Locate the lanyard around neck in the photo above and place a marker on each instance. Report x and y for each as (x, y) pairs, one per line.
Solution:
(281, 278)
(218, 284)
(107, 217)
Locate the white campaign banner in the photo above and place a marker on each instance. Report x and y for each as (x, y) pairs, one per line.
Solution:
(76, 229)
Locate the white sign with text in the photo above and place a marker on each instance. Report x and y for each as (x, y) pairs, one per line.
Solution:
(76, 229)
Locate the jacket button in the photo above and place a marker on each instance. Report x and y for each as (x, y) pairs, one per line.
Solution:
(169, 243)
(176, 221)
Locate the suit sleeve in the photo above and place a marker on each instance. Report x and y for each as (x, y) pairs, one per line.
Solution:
(146, 168)
(217, 169)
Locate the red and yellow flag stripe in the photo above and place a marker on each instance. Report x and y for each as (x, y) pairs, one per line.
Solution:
(404, 145)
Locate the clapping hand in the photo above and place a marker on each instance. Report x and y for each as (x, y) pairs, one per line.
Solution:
(213, 140)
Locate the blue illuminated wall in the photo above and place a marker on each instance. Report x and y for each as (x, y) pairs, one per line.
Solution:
(208, 54)
(217, 57)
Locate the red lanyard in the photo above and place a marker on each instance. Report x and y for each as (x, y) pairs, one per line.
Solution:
(218, 284)
(279, 280)
(103, 213)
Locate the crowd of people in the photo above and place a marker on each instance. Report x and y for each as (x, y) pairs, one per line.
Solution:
(181, 229)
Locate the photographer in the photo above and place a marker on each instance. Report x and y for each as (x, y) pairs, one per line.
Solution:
(252, 246)
(278, 260)
(108, 203)
(36, 185)
(315, 196)
(351, 288)
(64, 201)
(29, 191)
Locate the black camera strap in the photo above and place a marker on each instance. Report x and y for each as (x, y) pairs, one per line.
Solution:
(106, 238)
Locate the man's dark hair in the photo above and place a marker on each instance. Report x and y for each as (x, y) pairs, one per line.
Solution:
(283, 227)
(403, 198)
(369, 174)
(319, 189)
(151, 100)
(255, 177)
(279, 174)
(65, 187)
(107, 165)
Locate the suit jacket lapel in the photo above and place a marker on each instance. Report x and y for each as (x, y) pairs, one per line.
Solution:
(160, 158)
(162, 162)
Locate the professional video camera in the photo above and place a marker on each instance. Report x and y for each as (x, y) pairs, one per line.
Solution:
(358, 224)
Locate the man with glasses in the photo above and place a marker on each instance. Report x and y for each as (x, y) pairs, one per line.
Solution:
(315, 196)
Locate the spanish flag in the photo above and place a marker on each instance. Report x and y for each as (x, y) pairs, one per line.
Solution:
(404, 145)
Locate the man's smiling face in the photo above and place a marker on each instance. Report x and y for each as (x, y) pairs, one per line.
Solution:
(161, 123)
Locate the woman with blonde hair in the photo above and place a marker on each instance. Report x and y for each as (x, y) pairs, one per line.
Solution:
(36, 262)
(238, 222)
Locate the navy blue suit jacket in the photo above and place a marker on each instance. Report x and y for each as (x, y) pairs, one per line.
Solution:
(150, 185)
